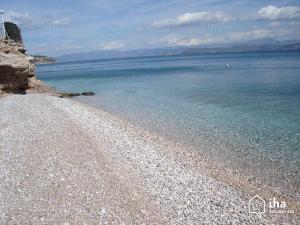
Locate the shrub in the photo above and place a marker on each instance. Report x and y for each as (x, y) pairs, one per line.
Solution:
(13, 32)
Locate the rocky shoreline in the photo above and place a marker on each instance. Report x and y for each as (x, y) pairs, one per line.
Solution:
(17, 73)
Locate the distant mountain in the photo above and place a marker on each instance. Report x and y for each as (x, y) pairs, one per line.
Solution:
(250, 46)
(117, 54)
(244, 48)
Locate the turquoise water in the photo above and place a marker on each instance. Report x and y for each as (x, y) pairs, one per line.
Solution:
(245, 116)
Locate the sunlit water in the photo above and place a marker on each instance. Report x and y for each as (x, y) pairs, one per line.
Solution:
(245, 116)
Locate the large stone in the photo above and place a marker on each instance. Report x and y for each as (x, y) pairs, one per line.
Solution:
(88, 93)
(16, 70)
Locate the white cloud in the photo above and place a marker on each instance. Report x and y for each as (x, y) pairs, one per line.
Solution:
(193, 18)
(33, 22)
(175, 41)
(22, 19)
(182, 42)
(248, 35)
(53, 48)
(274, 24)
(278, 33)
(273, 13)
(61, 22)
(114, 45)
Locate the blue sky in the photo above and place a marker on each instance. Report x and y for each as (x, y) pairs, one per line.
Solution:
(59, 27)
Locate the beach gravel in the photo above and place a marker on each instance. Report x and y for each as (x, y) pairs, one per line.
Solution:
(62, 162)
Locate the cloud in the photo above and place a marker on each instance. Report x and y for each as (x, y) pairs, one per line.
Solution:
(182, 42)
(23, 19)
(274, 24)
(61, 22)
(54, 48)
(114, 45)
(273, 33)
(193, 18)
(273, 13)
(173, 40)
(34, 22)
(248, 35)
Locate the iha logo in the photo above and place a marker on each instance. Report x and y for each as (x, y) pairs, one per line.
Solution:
(257, 205)
(274, 204)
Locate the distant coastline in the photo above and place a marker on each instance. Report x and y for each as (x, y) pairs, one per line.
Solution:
(174, 51)
(40, 59)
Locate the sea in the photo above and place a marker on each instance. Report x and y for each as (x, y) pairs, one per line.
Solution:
(240, 110)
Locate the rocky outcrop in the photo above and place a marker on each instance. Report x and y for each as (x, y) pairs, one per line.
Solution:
(17, 72)
(88, 93)
(68, 95)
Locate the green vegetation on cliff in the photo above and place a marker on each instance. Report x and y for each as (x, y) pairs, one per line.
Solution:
(13, 32)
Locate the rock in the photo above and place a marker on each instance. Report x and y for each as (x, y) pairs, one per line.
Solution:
(17, 73)
(68, 95)
(88, 93)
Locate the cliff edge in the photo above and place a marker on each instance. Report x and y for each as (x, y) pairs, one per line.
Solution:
(17, 72)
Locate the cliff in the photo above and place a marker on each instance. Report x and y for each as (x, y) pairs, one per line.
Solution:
(17, 72)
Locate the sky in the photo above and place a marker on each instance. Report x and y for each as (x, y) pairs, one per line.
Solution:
(60, 27)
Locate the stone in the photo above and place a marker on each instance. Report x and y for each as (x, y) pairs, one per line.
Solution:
(88, 93)
(68, 95)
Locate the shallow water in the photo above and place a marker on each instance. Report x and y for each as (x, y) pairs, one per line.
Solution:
(245, 116)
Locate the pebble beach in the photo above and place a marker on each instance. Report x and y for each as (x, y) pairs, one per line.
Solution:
(63, 162)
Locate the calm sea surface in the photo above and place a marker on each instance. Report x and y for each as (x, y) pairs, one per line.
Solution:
(245, 116)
